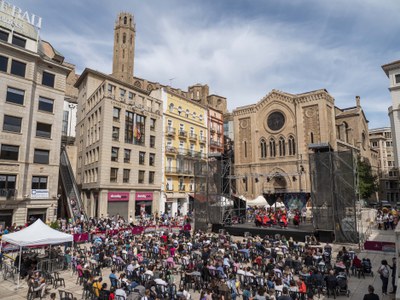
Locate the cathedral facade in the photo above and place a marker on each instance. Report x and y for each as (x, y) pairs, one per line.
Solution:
(273, 139)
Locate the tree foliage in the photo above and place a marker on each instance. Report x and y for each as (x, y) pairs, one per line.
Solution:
(368, 182)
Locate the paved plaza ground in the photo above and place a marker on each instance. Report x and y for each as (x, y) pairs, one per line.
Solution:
(358, 287)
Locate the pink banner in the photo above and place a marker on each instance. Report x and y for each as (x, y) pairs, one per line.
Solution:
(81, 237)
(144, 196)
(118, 196)
(380, 246)
(113, 232)
(137, 230)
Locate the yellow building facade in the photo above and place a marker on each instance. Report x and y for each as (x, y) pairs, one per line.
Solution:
(185, 143)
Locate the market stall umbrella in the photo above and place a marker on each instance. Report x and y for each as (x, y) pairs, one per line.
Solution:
(37, 234)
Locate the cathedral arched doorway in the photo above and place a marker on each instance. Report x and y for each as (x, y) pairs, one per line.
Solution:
(279, 183)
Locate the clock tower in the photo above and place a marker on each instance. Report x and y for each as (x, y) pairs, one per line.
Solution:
(124, 47)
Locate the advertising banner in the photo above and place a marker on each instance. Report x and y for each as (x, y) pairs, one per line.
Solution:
(118, 196)
(144, 196)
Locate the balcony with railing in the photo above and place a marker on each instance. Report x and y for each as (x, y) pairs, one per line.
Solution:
(202, 139)
(8, 194)
(170, 150)
(169, 187)
(215, 143)
(193, 137)
(181, 187)
(178, 171)
(170, 131)
(182, 134)
(182, 151)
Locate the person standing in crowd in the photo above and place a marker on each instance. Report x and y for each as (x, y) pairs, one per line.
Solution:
(394, 267)
(285, 294)
(371, 295)
(384, 274)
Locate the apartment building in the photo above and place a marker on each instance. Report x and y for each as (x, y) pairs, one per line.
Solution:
(32, 88)
(381, 141)
(118, 135)
(186, 143)
(216, 130)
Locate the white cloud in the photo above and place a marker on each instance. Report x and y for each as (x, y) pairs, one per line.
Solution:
(242, 50)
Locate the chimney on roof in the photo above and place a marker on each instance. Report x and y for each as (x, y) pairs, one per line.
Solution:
(358, 102)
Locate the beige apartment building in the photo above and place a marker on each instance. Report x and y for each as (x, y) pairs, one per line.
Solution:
(32, 88)
(118, 135)
(185, 125)
(381, 141)
(272, 139)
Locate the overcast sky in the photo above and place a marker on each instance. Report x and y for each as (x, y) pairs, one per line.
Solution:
(241, 48)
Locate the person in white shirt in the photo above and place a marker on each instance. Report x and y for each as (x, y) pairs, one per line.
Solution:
(160, 281)
(120, 292)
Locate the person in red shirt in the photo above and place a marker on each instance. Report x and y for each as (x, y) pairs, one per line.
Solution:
(356, 265)
(283, 221)
(164, 238)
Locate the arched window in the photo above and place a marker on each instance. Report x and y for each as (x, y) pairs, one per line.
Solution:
(245, 148)
(272, 149)
(138, 84)
(292, 145)
(263, 148)
(131, 41)
(125, 20)
(124, 38)
(282, 146)
(117, 37)
(346, 132)
(171, 107)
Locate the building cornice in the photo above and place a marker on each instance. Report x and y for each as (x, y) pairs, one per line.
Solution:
(88, 71)
(391, 66)
(312, 96)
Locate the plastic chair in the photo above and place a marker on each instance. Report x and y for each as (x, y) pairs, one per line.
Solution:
(64, 295)
(57, 279)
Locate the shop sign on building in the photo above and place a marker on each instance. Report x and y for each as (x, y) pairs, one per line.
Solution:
(39, 194)
(118, 196)
(144, 196)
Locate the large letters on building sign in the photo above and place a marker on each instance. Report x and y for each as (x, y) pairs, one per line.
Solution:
(18, 13)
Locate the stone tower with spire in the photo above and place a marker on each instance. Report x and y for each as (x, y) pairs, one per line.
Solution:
(124, 47)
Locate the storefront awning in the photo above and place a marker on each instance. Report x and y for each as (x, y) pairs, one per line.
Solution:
(199, 197)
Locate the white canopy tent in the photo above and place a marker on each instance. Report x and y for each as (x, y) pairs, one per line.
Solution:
(37, 234)
(259, 201)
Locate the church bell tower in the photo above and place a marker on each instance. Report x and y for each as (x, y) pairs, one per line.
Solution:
(124, 47)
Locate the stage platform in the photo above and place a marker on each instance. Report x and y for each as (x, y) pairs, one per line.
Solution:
(297, 233)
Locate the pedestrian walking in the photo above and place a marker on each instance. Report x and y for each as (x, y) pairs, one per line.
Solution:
(394, 267)
(384, 274)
